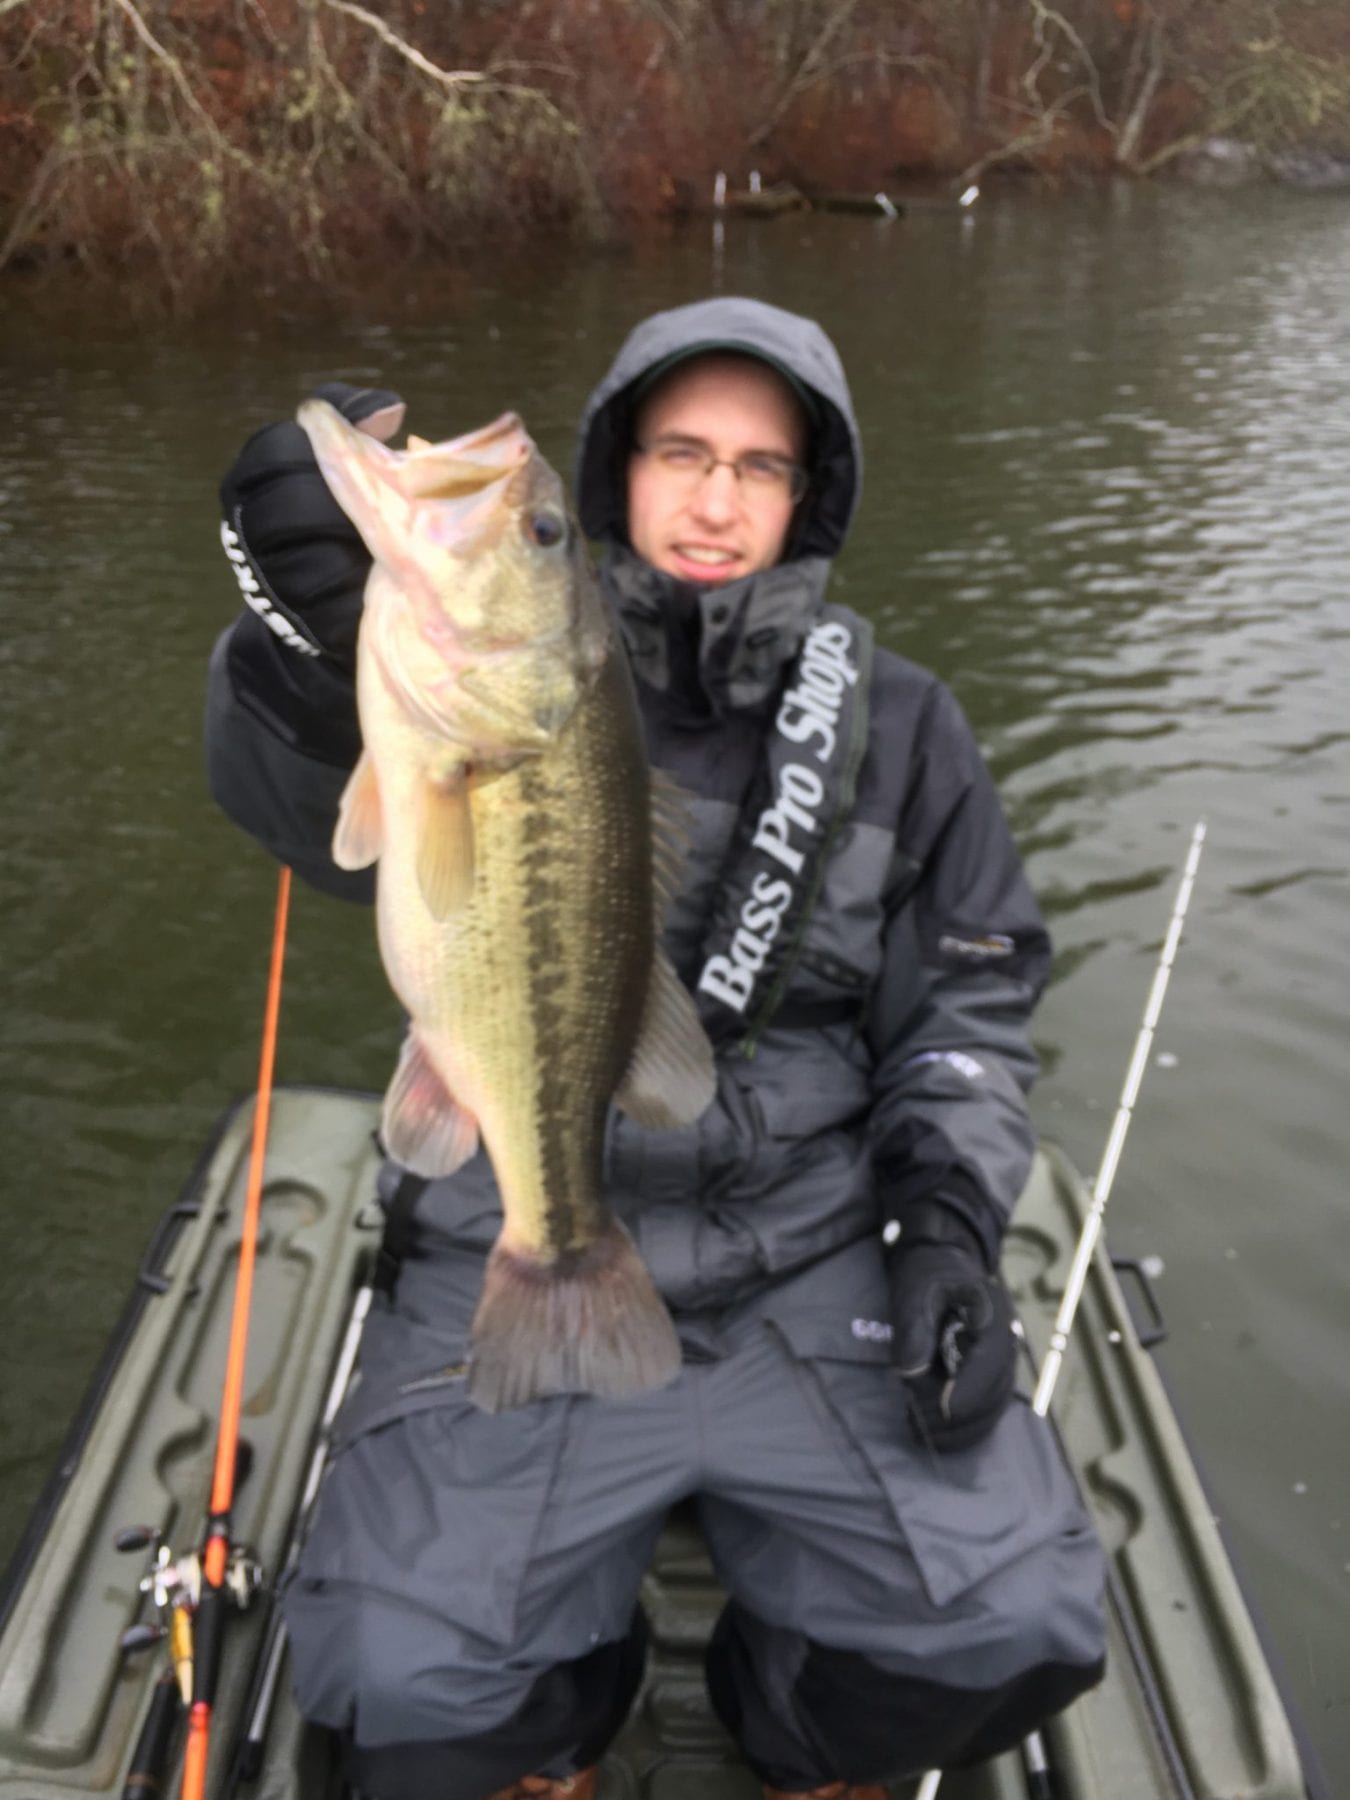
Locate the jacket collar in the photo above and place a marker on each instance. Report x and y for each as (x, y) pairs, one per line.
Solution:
(723, 648)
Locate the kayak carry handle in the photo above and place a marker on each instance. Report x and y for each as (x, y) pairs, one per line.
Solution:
(1153, 1331)
(136, 1537)
(150, 1274)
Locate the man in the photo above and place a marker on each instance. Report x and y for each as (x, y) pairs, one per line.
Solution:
(912, 1580)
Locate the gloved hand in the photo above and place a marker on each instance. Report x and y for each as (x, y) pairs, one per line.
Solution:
(301, 568)
(952, 1327)
(297, 556)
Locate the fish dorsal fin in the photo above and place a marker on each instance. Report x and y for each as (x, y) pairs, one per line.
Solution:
(670, 1079)
(424, 1127)
(445, 858)
(359, 836)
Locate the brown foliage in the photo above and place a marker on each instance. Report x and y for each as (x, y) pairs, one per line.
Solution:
(195, 145)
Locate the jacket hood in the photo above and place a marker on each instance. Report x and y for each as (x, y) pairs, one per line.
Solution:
(796, 346)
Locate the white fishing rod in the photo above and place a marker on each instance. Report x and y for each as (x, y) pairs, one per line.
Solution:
(1033, 1747)
(1115, 1144)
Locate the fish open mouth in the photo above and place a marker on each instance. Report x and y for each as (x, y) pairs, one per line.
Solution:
(474, 483)
(469, 464)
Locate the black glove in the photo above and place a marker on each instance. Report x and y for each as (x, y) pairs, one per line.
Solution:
(301, 567)
(952, 1323)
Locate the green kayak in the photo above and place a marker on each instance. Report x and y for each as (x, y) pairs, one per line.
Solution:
(1189, 1707)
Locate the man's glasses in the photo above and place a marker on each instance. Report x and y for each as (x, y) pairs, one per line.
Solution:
(761, 475)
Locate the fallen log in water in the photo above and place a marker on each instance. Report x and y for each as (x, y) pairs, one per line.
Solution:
(887, 205)
(782, 197)
(766, 202)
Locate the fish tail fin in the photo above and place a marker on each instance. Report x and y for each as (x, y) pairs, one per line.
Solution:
(590, 1323)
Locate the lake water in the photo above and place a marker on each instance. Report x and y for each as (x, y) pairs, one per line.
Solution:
(1107, 497)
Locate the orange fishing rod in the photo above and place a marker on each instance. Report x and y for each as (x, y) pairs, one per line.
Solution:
(216, 1549)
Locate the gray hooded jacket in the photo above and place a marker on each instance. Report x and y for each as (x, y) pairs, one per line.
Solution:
(893, 1063)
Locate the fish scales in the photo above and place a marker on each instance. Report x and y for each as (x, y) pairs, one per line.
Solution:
(553, 911)
(584, 1022)
(504, 794)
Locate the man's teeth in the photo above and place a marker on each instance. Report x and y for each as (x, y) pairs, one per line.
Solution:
(693, 553)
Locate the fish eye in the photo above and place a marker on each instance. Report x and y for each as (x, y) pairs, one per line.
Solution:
(547, 529)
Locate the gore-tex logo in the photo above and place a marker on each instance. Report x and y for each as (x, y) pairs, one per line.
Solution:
(871, 1331)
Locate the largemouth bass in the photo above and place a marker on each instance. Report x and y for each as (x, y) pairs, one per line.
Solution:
(525, 852)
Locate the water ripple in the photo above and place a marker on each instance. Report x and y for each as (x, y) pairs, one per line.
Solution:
(1107, 498)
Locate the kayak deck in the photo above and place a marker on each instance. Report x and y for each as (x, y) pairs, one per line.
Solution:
(70, 1704)
(1188, 1707)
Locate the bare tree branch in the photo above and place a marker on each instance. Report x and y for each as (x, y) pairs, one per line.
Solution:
(172, 64)
(1136, 119)
(449, 78)
(669, 21)
(984, 64)
(1036, 137)
(655, 57)
(1047, 19)
(806, 73)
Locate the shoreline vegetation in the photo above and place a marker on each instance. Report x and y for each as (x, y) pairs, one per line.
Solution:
(180, 151)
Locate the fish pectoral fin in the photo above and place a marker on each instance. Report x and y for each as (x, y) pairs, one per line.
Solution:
(424, 1127)
(359, 837)
(670, 1079)
(445, 857)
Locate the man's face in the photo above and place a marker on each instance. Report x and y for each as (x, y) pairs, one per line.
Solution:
(719, 525)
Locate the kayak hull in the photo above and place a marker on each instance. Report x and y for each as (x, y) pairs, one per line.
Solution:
(1189, 1706)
